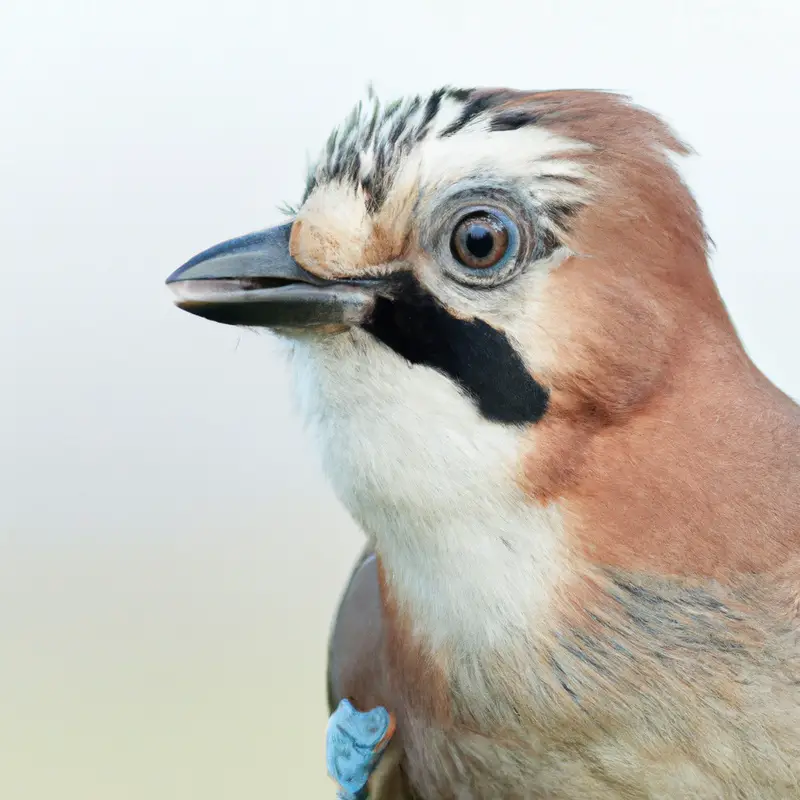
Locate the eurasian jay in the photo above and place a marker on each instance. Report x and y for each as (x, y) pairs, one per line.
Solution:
(581, 497)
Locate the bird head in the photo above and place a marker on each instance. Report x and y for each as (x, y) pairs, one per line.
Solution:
(496, 303)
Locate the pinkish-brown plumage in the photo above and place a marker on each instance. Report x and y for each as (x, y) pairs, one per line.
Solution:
(668, 663)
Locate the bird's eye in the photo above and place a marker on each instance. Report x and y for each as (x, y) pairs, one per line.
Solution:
(480, 240)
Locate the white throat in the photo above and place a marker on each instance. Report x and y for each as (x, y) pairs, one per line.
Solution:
(470, 558)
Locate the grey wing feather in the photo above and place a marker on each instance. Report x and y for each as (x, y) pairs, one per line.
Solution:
(355, 647)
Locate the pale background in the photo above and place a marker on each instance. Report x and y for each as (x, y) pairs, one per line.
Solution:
(170, 555)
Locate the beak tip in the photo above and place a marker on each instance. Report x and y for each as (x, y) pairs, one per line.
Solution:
(180, 274)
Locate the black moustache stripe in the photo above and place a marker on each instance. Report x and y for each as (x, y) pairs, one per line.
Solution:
(478, 357)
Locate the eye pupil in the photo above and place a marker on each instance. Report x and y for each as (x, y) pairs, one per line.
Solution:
(480, 240)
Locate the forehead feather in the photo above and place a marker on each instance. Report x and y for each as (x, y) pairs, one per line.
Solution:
(368, 149)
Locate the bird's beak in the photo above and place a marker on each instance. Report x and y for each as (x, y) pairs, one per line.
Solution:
(253, 280)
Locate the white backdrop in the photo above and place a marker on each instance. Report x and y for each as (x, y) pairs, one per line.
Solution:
(169, 553)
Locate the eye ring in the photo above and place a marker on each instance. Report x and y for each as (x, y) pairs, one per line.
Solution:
(481, 240)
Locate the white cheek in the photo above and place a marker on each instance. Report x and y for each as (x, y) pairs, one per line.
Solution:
(395, 434)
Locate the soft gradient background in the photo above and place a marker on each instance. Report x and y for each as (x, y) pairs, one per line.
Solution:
(170, 555)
